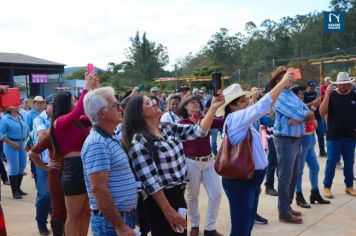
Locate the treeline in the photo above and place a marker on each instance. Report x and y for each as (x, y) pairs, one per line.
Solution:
(247, 58)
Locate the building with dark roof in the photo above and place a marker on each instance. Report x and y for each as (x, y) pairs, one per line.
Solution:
(33, 75)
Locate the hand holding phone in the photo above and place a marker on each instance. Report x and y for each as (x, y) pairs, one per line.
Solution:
(297, 74)
(90, 68)
(216, 84)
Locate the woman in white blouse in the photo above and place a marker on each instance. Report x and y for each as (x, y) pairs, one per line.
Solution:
(243, 195)
(173, 105)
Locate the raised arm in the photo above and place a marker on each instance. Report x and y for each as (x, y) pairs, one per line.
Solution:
(91, 82)
(323, 109)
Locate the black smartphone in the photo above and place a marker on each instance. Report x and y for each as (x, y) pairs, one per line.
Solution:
(216, 78)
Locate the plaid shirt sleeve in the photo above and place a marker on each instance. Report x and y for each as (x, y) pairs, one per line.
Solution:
(144, 166)
(189, 132)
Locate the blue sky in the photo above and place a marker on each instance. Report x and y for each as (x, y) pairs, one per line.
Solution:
(77, 32)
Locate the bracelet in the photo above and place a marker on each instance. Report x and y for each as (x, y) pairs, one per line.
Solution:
(313, 108)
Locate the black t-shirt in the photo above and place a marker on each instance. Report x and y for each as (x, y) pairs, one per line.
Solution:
(341, 116)
(309, 97)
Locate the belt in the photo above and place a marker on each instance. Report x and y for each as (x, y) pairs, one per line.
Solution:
(132, 212)
(285, 136)
(17, 139)
(201, 159)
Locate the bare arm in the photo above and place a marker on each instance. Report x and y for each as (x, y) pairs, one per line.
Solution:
(11, 143)
(173, 218)
(323, 109)
(287, 79)
(103, 199)
(216, 102)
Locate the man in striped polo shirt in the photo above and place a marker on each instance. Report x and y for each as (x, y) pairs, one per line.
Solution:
(289, 127)
(108, 177)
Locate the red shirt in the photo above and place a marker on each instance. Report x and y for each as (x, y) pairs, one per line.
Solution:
(72, 129)
(200, 147)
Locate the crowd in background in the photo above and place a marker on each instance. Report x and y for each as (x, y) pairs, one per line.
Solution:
(138, 161)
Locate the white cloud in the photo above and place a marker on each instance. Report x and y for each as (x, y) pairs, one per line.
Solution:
(76, 32)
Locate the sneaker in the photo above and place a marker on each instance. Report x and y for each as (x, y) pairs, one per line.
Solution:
(260, 220)
(43, 230)
(340, 166)
(271, 191)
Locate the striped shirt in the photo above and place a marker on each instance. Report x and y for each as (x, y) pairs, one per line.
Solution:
(103, 153)
(168, 169)
(289, 106)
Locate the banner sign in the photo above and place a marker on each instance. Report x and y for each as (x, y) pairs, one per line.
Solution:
(39, 78)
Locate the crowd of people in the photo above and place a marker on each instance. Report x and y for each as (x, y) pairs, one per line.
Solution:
(135, 164)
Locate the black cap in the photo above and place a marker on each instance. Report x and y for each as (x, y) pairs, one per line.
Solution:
(311, 84)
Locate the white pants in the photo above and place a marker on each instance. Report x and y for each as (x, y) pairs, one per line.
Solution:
(203, 172)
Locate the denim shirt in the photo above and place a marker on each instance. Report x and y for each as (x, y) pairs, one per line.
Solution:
(30, 117)
(41, 122)
(289, 106)
(239, 121)
(12, 128)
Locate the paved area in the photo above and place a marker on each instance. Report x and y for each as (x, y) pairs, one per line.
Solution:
(338, 218)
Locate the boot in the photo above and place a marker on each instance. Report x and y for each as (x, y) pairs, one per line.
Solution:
(57, 227)
(316, 197)
(301, 201)
(13, 184)
(19, 181)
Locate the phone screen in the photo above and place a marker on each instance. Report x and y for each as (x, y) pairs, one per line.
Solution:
(90, 68)
(296, 73)
(216, 78)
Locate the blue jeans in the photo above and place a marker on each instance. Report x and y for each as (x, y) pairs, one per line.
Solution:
(272, 164)
(100, 226)
(288, 151)
(243, 196)
(213, 142)
(43, 199)
(308, 156)
(320, 132)
(16, 159)
(336, 148)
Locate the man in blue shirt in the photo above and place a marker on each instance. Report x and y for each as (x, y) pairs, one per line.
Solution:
(290, 114)
(109, 179)
(38, 107)
(41, 124)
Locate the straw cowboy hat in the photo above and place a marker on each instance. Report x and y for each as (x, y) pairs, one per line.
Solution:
(280, 70)
(231, 93)
(343, 78)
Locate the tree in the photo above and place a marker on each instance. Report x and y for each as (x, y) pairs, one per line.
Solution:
(147, 57)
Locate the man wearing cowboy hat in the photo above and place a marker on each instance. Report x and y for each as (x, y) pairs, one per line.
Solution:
(339, 106)
(289, 127)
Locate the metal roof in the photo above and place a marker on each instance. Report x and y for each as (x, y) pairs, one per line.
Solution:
(18, 58)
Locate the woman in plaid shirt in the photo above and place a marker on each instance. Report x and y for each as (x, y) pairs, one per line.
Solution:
(158, 160)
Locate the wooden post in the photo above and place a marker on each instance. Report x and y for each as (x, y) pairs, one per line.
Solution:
(321, 73)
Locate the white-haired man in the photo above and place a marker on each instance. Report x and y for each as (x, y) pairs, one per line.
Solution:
(339, 107)
(108, 177)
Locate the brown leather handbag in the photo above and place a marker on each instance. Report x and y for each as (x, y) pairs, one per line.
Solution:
(235, 162)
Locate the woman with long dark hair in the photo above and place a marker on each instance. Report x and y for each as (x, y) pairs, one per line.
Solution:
(68, 130)
(13, 132)
(157, 157)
